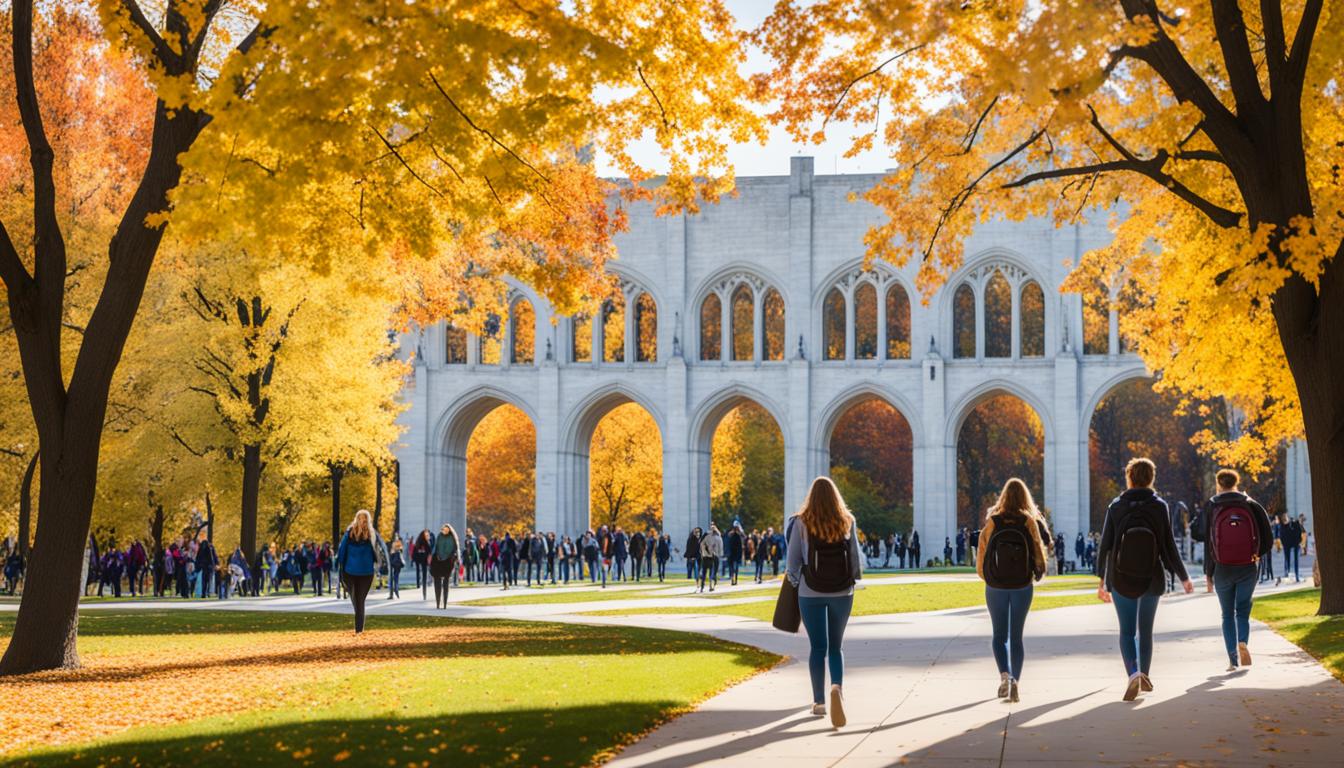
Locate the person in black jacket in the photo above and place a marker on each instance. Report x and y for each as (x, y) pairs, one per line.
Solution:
(637, 544)
(1290, 535)
(1235, 584)
(692, 554)
(733, 548)
(1136, 536)
(664, 554)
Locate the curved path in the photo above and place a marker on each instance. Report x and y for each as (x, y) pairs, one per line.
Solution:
(920, 690)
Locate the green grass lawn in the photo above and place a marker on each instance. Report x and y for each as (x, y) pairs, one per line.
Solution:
(874, 600)
(222, 688)
(1293, 615)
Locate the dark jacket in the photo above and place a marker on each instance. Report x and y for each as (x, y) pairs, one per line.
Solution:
(692, 550)
(1263, 529)
(664, 550)
(733, 546)
(205, 557)
(637, 545)
(618, 546)
(1153, 512)
(1290, 533)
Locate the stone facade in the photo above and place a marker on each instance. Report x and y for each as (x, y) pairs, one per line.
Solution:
(794, 238)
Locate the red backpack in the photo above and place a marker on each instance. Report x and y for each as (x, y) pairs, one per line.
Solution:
(1235, 538)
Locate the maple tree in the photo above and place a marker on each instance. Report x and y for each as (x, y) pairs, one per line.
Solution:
(501, 473)
(625, 475)
(746, 469)
(426, 129)
(872, 463)
(1207, 134)
(1000, 438)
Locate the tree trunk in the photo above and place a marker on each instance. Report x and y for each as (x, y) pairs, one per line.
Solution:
(1311, 327)
(70, 417)
(247, 527)
(396, 506)
(209, 519)
(337, 473)
(48, 620)
(377, 497)
(26, 506)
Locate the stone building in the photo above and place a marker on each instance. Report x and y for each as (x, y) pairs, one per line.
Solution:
(763, 298)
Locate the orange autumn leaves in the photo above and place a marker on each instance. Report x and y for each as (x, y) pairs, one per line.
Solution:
(167, 679)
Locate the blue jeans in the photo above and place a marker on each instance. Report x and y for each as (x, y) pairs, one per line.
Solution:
(1136, 630)
(1290, 558)
(1234, 596)
(825, 618)
(1008, 613)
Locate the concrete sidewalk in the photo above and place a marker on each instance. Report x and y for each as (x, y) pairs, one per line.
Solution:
(921, 690)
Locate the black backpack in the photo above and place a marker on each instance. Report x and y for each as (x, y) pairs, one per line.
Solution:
(1136, 558)
(828, 567)
(1009, 562)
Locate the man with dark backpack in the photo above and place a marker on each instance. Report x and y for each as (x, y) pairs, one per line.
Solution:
(1137, 548)
(1238, 536)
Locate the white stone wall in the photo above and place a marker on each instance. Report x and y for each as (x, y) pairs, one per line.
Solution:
(799, 234)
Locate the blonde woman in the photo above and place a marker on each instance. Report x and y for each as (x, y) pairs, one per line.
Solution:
(1011, 555)
(824, 563)
(357, 559)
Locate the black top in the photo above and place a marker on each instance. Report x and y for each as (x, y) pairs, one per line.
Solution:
(1153, 511)
(1265, 532)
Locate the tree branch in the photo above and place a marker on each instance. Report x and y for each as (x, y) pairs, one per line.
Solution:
(850, 85)
(959, 200)
(157, 44)
(661, 109)
(1230, 29)
(397, 154)
(12, 271)
(483, 131)
(1301, 50)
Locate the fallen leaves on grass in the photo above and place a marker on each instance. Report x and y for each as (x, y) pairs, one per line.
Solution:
(161, 681)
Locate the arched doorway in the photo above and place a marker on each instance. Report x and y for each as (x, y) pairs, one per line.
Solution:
(501, 465)
(1001, 437)
(742, 466)
(872, 462)
(625, 470)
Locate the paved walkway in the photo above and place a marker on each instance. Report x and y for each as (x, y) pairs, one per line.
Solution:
(920, 690)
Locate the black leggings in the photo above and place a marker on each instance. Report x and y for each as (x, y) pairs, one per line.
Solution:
(422, 577)
(358, 589)
(441, 584)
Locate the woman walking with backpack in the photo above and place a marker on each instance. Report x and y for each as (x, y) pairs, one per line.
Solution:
(1010, 556)
(1137, 548)
(824, 563)
(1239, 536)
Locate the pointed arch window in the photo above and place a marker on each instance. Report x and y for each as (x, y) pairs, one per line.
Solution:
(963, 322)
(581, 330)
(1031, 314)
(772, 312)
(456, 346)
(998, 317)
(865, 321)
(898, 323)
(613, 329)
(833, 325)
(744, 323)
(523, 332)
(646, 329)
(711, 328)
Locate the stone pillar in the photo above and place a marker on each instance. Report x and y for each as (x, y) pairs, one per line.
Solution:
(414, 452)
(550, 509)
(935, 460)
(1066, 451)
(1297, 481)
(679, 503)
(798, 322)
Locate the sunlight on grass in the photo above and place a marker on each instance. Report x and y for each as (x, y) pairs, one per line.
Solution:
(1293, 615)
(207, 688)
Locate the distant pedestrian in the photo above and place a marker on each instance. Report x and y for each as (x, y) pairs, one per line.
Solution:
(824, 564)
(1290, 535)
(443, 563)
(396, 560)
(711, 552)
(1136, 546)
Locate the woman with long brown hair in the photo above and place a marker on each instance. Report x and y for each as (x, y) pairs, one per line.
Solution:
(824, 563)
(1012, 554)
(443, 562)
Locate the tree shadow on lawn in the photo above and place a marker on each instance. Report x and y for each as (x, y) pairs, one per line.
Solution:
(561, 736)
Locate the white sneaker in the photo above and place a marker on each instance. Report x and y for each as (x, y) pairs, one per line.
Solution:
(819, 709)
(1132, 690)
(837, 707)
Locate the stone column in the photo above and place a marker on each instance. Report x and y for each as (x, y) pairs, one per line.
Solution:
(679, 504)
(550, 509)
(798, 322)
(1066, 451)
(935, 460)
